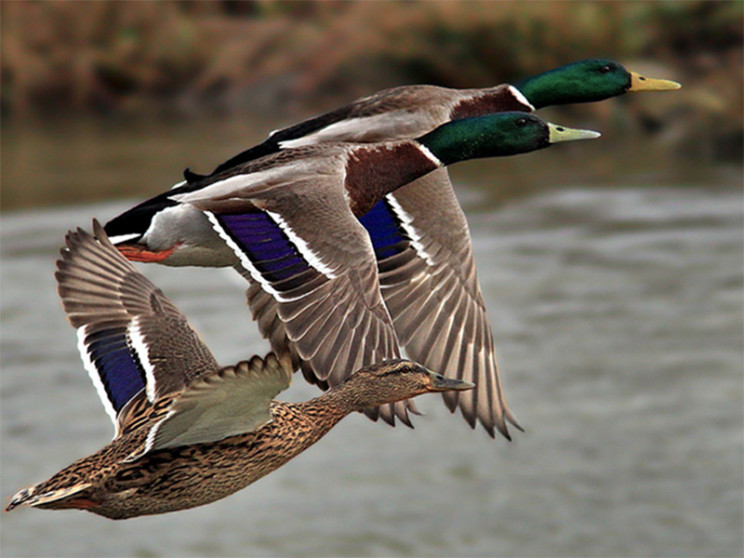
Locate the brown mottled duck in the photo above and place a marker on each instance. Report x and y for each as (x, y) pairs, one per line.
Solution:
(188, 432)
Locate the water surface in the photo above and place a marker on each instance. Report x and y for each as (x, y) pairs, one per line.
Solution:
(618, 318)
(617, 312)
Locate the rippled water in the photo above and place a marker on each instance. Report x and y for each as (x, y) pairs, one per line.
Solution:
(618, 316)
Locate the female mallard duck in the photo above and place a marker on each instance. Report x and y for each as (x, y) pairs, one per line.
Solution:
(187, 431)
(411, 240)
(289, 222)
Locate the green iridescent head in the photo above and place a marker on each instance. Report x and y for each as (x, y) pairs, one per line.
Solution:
(586, 81)
(496, 135)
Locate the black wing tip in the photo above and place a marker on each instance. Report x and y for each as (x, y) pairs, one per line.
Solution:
(408, 407)
(489, 426)
(388, 414)
(518, 426)
(404, 418)
(502, 429)
(256, 364)
(502, 426)
(411, 408)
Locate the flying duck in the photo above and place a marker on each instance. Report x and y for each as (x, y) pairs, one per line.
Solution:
(188, 432)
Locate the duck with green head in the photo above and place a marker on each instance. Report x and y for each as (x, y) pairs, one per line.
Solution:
(418, 231)
(188, 432)
(587, 81)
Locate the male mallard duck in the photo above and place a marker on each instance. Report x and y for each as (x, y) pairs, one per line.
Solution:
(411, 110)
(187, 431)
(289, 222)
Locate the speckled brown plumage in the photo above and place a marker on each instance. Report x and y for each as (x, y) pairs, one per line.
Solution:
(107, 483)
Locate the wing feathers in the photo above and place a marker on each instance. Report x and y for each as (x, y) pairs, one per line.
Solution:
(326, 308)
(131, 337)
(433, 294)
(231, 401)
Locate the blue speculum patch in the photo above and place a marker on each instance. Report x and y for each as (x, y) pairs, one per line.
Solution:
(384, 228)
(267, 246)
(122, 376)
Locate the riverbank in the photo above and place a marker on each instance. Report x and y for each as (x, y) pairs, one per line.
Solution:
(291, 57)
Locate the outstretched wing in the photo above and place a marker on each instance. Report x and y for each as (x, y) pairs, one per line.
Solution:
(131, 338)
(429, 283)
(309, 253)
(231, 401)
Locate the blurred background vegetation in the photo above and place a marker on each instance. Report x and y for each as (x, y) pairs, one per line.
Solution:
(281, 61)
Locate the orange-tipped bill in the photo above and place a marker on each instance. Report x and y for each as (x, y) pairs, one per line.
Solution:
(139, 253)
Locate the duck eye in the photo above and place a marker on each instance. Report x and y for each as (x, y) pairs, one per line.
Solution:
(521, 122)
(605, 69)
